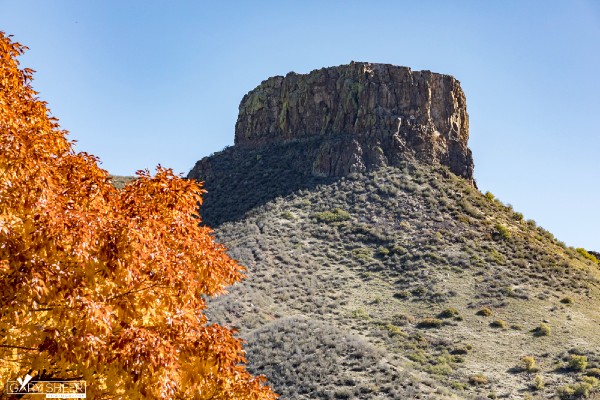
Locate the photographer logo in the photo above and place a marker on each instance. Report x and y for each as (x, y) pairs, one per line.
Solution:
(51, 389)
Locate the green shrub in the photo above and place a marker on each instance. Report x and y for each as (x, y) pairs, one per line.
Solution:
(490, 196)
(360, 313)
(430, 323)
(485, 312)
(403, 294)
(590, 380)
(499, 323)
(402, 319)
(496, 257)
(587, 255)
(363, 253)
(542, 330)
(383, 251)
(528, 364)
(288, 215)
(449, 313)
(566, 392)
(502, 231)
(417, 356)
(397, 249)
(531, 223)
(439, 369)
(538, 382)
(578, 363)
(336, 215)
(394, 330)
(458, 385)
(517, 216)
(595, 372)
(578, 390)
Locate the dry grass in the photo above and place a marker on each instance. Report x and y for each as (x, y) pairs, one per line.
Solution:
(120, 181)
(332, 306)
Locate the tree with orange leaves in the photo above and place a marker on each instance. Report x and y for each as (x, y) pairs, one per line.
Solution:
(105, 285)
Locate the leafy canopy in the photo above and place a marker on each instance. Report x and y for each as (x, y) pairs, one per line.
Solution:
(100, 284)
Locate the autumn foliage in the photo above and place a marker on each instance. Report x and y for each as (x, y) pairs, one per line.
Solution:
(101, 284)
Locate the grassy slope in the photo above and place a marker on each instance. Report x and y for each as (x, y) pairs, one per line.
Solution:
(120, 181)
(342, 279)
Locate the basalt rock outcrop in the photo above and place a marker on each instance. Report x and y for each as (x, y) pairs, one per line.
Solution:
(300, 130)
(379, 114)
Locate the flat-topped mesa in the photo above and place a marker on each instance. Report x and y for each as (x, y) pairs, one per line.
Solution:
(374, 114)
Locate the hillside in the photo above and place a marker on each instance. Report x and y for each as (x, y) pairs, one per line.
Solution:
(373, 286)
(376, 269)
(120, 181)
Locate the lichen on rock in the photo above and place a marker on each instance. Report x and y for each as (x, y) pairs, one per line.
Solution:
(376, 113)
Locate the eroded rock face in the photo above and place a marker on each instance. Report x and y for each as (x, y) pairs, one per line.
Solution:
(369, 115)
(300, 131)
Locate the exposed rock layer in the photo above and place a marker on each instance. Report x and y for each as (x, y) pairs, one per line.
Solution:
(300, 131)
(386, 113)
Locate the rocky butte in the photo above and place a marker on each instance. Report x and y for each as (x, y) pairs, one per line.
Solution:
(375, 268)
(336, 121)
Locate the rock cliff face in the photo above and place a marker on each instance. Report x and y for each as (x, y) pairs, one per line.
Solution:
(300, 131)
(370, 115)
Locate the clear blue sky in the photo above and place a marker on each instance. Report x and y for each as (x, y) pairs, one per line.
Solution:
(139, 83)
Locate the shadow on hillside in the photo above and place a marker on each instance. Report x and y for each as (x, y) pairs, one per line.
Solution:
(239, 179)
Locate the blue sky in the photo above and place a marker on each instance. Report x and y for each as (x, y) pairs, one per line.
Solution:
(139, 83)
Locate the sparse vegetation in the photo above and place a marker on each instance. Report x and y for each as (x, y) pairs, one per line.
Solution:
(479, 380)
(529, 364)
(579, 390)
(567, 300)
(344, 276)
(485, 312)
(288, 215)
(499, 323)
(120, 181)
(430, 323)
(538, 383)
(578, 363)
(587, 255)
(339, 273)
(502, 231)
(383, 251)
(517, 216)
(336, 215)
(449, 313)
(595, 372)
(542, 330)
